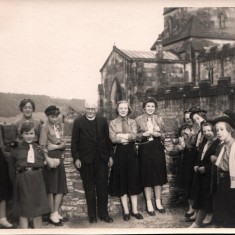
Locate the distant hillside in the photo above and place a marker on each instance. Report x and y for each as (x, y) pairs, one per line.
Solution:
(9, 103)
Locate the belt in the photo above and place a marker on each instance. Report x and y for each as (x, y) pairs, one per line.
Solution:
(126, 143)
(28, 169)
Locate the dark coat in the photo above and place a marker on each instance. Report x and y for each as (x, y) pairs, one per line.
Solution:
(206, 162)
(202, 182)
(85, 146)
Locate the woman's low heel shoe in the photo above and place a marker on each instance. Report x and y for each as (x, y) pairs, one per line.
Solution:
(151, 213)
(162, 210)
(189, 214)
(126, 217)
(137, 215)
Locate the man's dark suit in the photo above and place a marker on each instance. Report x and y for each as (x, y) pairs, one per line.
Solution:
(92, 146)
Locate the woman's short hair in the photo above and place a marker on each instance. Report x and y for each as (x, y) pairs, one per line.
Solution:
(186, 112)
(207, 123)
(52, 110)
(24, 102)
(201, 114)
(123, 102)
(149, 100)
(27, 126)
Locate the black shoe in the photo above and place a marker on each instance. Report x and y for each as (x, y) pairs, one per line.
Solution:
(92, 220)
(189, 219)
(189, 215)
(161, 210)
(151, 213)
(54, 223)
(64, 219)
(107, 219)
(137, 215)
(126, 217)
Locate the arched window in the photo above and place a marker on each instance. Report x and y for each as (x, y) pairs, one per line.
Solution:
(170, 25)
(116, 93)
(222, 20)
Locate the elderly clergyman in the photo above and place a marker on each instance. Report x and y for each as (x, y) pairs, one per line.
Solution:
(92, 153)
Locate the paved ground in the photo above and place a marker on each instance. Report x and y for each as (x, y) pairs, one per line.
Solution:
(173, 219)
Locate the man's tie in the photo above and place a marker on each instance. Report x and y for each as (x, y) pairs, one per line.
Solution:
(30, 157)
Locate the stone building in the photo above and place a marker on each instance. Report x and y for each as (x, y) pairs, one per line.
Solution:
(190, 63)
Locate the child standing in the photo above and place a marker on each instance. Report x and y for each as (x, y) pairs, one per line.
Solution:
(27, 161)
(54, 173)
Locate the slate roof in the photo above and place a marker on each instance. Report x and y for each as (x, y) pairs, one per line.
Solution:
(195, 28)
(145, 56)
(148, 54)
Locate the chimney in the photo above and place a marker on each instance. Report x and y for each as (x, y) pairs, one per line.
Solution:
(159, 48)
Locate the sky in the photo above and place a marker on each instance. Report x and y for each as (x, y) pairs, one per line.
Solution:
(57, 47)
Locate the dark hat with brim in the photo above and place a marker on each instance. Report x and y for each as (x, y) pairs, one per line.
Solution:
(195, 110)
(230, 114)
(226, 119)
(149, 100)
(52, 110)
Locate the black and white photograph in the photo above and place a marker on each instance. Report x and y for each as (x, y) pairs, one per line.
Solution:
(117, 117)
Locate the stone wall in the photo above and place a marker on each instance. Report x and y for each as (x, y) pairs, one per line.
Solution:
(74, 203)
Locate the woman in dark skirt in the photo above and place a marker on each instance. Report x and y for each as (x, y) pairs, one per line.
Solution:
(27, 161)
(198, 116)
(224, 203)
(186, 144)
(5, 187)
(125, 177)
(204, 197)
(150, 133)
(54, 173)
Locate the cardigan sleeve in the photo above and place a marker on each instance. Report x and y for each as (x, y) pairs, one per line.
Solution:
(113, 133)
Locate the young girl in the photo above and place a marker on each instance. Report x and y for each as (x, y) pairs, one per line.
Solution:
(204, 198)
(27, 161)
(225, 162)
(54, 173)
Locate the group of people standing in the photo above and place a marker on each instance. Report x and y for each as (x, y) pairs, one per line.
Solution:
(97, 146)
(34, 172)
(207, 170)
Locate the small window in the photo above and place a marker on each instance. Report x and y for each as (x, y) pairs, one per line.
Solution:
(210, 75)
(222, 20)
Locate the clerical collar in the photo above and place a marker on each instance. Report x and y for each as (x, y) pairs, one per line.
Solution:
(91, 119)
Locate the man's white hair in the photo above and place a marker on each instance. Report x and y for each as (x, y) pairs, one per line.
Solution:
(91, 104)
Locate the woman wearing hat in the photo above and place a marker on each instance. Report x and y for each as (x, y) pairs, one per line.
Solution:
(54, 173)
(187, 146)
(151, 134)
(125, 178)
(225, 162)
(204, 198)
(27, 107)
